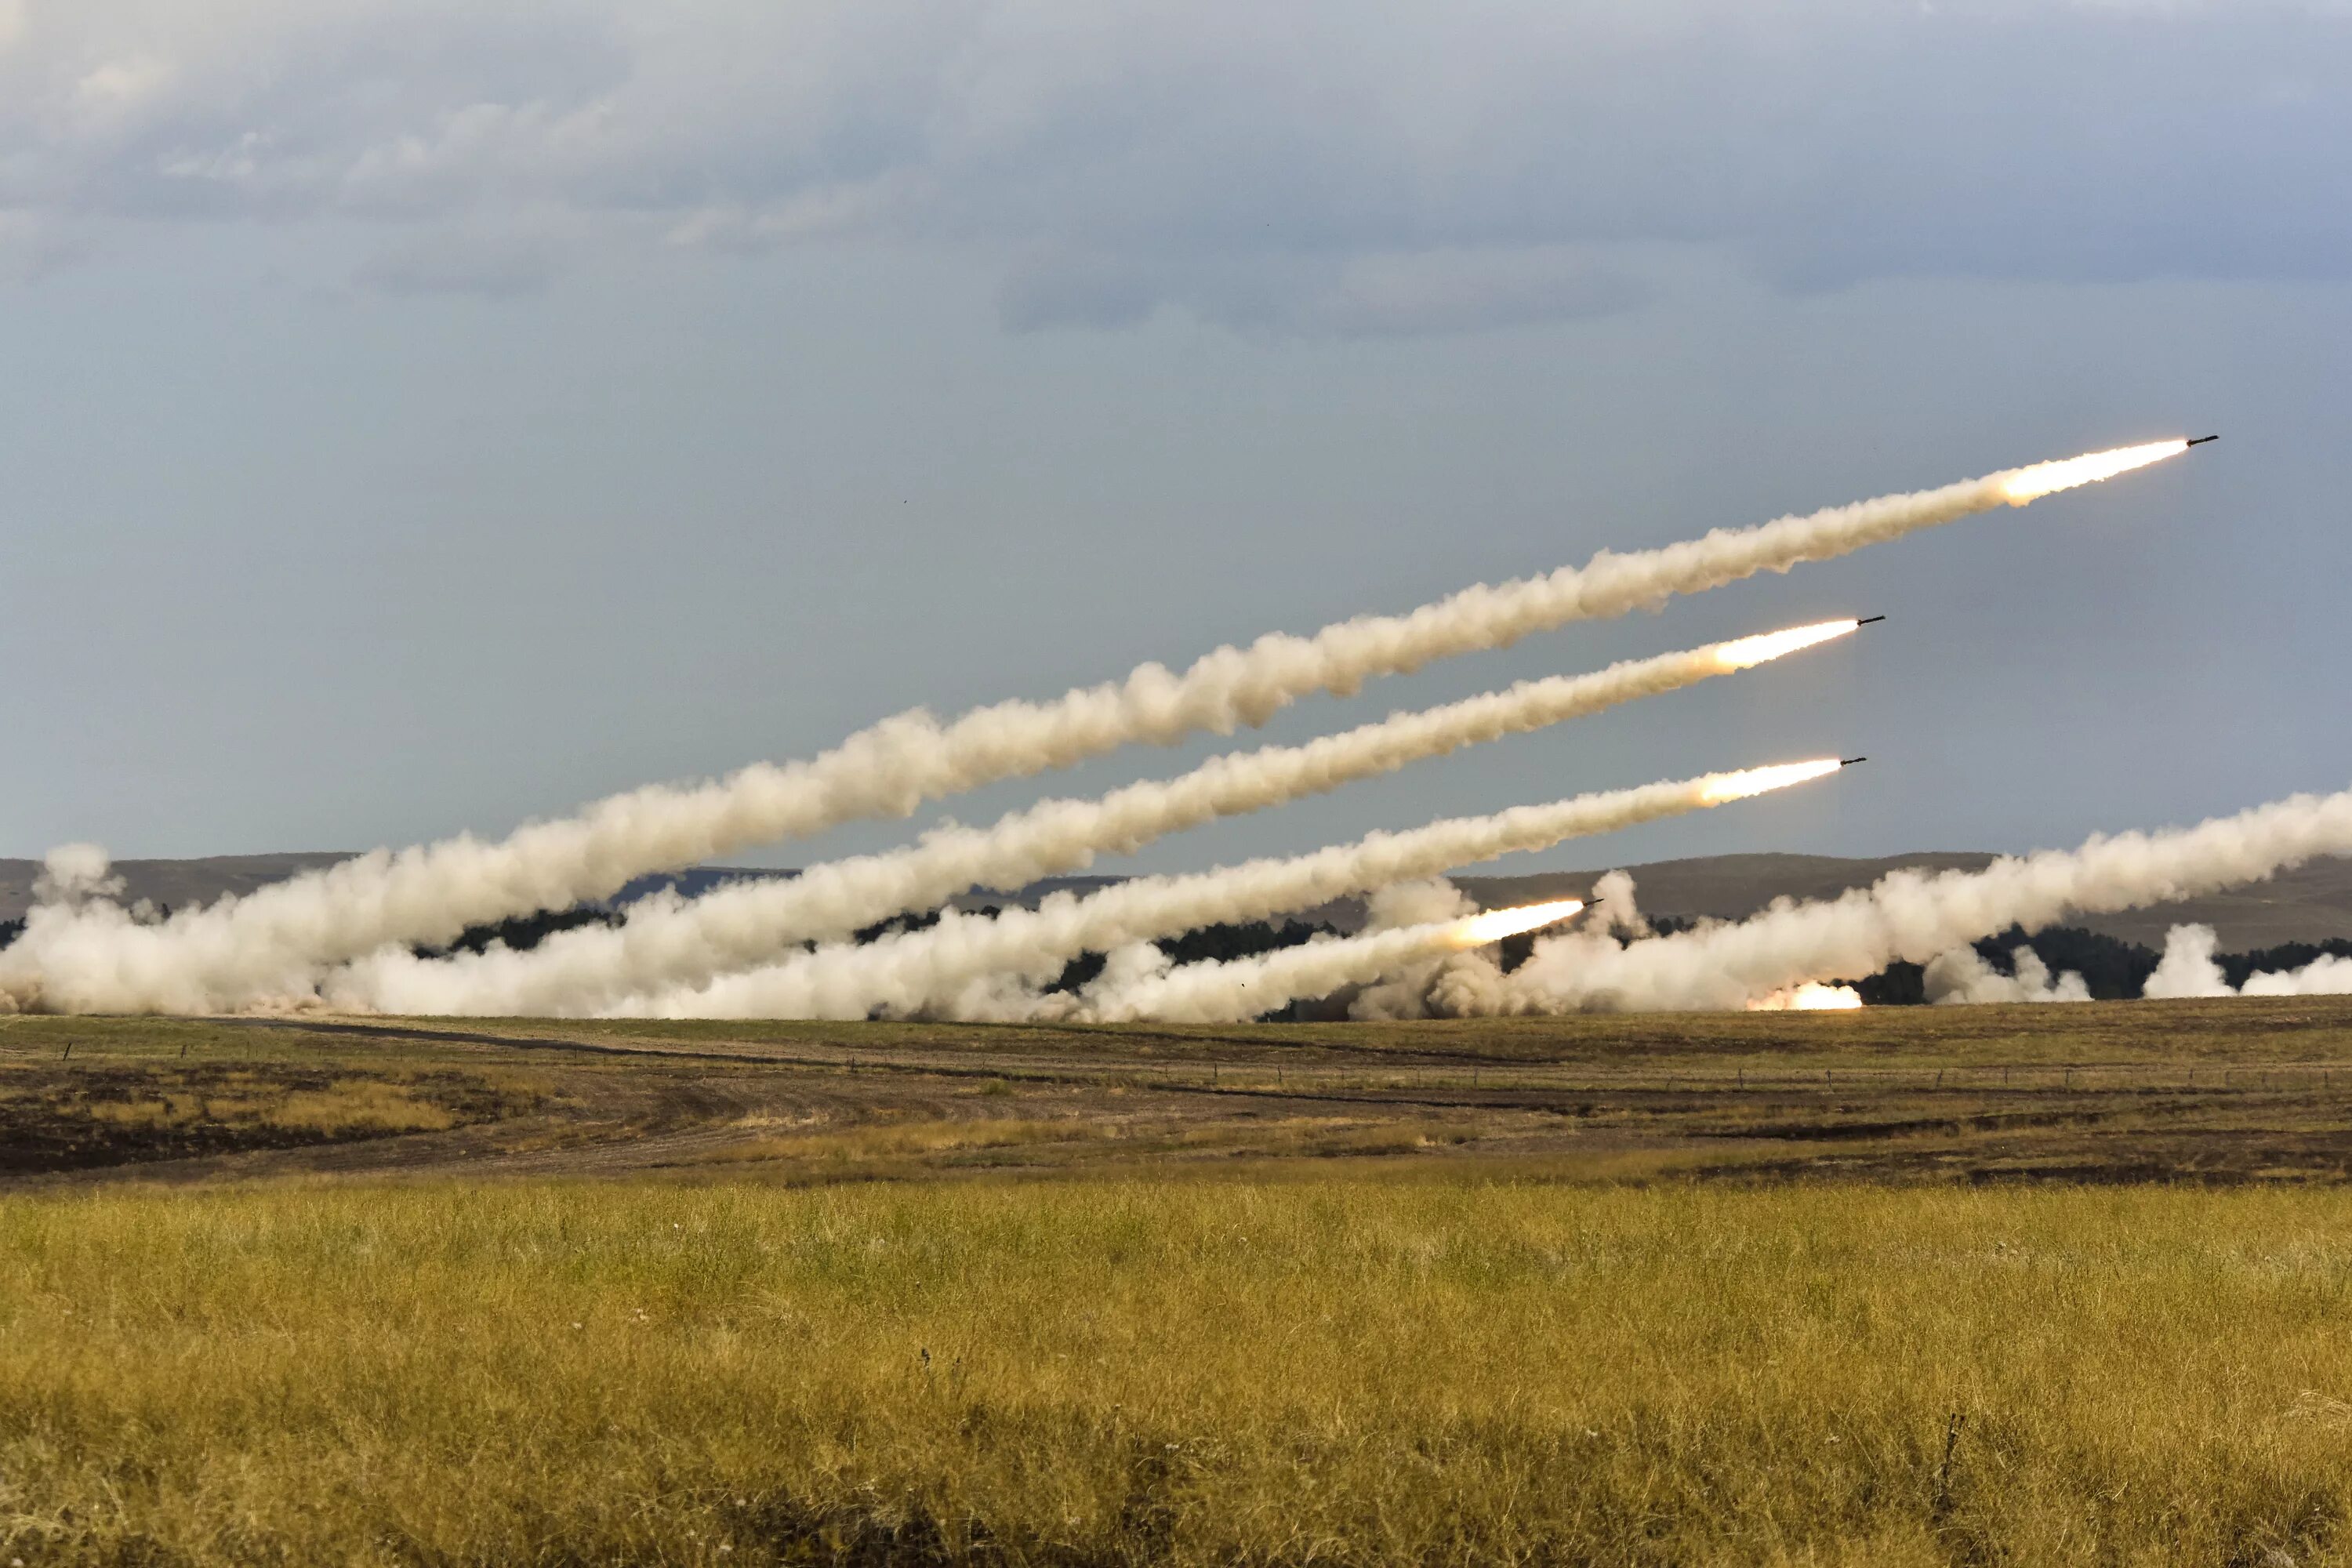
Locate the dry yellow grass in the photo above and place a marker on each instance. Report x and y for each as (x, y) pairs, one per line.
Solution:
(359, 1105)
(348, 1106)
(891, 1140)
(1330, 1371)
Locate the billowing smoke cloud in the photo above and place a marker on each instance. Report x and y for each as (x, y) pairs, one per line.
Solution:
(1912, 916)
(2329, 974)
(1403, 994)
(979, 966)
(668, 940)
(1247, 987)
(1415, 992)
(1962, 976)
(273, 944)
(2188, 968)
(74, 874)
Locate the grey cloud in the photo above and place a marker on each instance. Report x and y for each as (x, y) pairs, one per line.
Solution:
(459, 261)
(1378, 294)
(1465, 290)
(1306, 168)
(1077, 291)
(32, 246)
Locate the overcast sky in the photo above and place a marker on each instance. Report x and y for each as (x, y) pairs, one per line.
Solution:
(420, 415)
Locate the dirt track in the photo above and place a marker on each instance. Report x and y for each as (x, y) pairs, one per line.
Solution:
(2213, 1092)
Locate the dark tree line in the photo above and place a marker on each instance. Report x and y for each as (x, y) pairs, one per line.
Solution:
(2112, 969)
(1207, 945)
(2237, 966)
(521, 932)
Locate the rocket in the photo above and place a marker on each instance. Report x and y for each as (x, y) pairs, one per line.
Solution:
(2201, 440)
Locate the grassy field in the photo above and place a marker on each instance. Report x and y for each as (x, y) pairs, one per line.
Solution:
(1313, 1371)
(2022, 1286)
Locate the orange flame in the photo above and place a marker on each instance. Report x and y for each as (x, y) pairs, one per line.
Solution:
(1813, 996)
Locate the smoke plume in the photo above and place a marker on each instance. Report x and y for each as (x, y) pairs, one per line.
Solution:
(1245, 988)
(669, 940)
(75, 874)
(1415, 992)
(1402, 994)
(981, 966)
(1915, 916)
(274, 944)
(2189, 969)
(1962, 976)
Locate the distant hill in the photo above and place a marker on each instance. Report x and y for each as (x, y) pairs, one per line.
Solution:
(177, 883)
(2312, 904)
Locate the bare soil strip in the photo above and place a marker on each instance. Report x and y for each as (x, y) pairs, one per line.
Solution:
(2243, 1091)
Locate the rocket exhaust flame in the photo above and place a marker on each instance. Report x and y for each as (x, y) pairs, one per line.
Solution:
(1811, 998)
(1917, 916)
(277, 944)
(2031, 484)
(1720, 787)
(670, 942)
(1245, 987)
(974, 966)
(1496, 924)
(1748, 652)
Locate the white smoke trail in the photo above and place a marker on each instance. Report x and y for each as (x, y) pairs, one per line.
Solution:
(273, 942)
(982, 966)
(1245, 988)
(668, 940)
(2189, 969)
(1912, 916)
